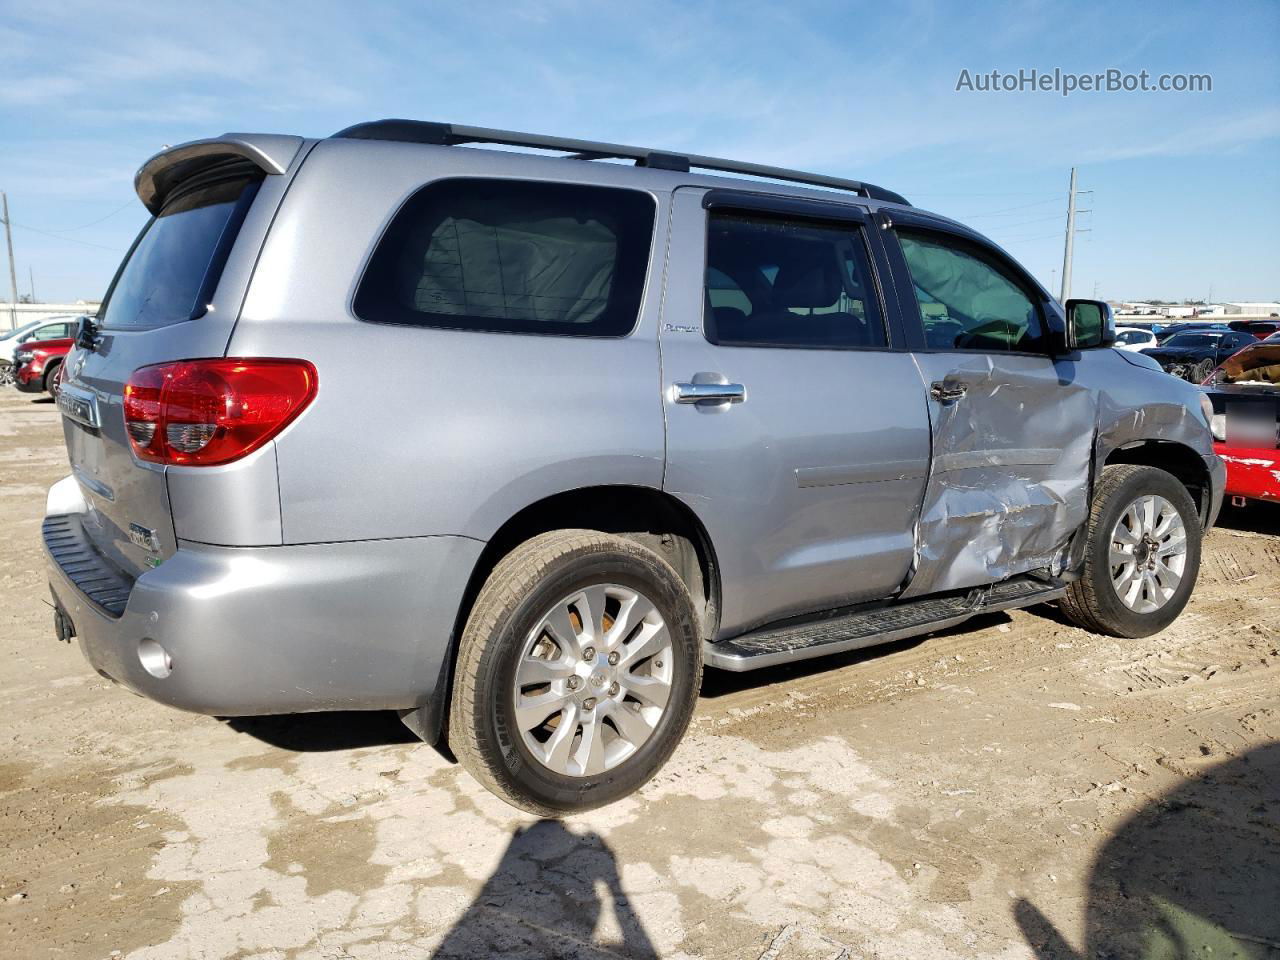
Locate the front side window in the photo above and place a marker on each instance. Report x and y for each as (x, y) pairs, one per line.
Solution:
(513, 257)
(780, 283)
(966, 303)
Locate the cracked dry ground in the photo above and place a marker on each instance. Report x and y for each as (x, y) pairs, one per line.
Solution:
(1017, 788)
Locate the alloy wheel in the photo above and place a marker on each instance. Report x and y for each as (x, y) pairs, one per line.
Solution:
(1148, 554)
(593, 680)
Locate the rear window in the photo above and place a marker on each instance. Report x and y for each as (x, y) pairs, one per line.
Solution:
(512, 257)
(174, 266)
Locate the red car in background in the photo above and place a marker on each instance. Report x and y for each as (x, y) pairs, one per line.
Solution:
(39, 365)
(1245, 393)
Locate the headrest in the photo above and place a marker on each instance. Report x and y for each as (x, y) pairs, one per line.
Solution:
(807, 284)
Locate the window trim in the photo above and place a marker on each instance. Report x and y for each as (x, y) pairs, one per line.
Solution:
(376, 244)
(818, 214)
(982, 250)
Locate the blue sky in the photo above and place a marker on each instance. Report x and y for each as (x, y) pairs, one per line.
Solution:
(1186, 199)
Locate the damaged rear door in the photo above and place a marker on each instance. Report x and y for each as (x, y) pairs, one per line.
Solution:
(1012, 430)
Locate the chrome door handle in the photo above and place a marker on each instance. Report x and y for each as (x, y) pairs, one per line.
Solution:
(948, 391)
(696, 392)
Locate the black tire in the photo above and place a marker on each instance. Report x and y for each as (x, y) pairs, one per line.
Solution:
(519, 591)
(1200, 372)
(51, 382)
(1092, 600)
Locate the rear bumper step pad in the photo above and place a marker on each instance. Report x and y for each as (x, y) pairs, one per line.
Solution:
(90, 571)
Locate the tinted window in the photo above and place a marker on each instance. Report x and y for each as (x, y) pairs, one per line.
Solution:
(514, 257)
(176, 261)
(966, 302)
(772, 282)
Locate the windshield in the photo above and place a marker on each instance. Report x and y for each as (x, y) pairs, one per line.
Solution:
(25, 328)
(1193, 340)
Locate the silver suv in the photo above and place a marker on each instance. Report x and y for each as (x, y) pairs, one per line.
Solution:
(514, 444)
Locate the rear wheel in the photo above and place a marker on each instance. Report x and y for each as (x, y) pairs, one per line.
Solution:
(577, 672)
(1200, 372)
(1142, 557)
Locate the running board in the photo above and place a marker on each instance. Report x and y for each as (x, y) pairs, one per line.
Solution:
(865, 628)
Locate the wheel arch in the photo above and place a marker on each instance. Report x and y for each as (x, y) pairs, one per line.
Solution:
(1175, 458)
(645, 514)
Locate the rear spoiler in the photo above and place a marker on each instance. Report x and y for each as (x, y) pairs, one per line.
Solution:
(271, 153)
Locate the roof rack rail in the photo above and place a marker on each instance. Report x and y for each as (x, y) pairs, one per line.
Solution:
(452, 134)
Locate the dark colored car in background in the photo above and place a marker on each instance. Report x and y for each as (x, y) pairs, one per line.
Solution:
(39, 364)
(1245, 393)
(1189, 326)
(1193, 355)
(1259, 328)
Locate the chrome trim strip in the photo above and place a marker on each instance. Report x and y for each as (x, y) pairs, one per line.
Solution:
(79, 405)
(838, 476)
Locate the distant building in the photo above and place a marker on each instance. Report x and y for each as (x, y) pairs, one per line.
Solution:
(1251, 308)
(13, 315)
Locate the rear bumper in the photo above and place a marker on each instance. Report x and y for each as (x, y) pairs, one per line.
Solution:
(239, 631)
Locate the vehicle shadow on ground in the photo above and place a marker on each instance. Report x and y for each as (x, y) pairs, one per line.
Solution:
(326, 732)
(1194, 874)
(1254, 517)
(546, 898)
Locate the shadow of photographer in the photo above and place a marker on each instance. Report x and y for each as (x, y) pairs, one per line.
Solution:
(547, 897)
(1194, 875)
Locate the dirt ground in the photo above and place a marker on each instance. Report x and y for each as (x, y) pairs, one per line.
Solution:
(1017, 788)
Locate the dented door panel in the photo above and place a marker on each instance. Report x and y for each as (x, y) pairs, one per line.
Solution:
(1010, 474)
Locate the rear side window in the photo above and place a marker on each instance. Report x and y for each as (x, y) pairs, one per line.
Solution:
(171, 273)
(513, 257)
(773, 282)
(966, 301)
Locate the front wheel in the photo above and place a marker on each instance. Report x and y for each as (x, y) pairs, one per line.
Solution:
(577, 672)
(53, 380)
(1142, 556)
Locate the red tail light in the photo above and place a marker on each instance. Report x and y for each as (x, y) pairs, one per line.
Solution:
(207, 412)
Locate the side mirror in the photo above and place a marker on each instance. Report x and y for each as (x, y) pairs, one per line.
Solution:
(1090, 324)
(86, 334)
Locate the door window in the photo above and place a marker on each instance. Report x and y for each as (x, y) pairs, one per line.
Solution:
(51, 331)
(966, 301)
(778, 283)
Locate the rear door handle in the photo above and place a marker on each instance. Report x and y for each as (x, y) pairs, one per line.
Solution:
(697, 392)
(948, 391)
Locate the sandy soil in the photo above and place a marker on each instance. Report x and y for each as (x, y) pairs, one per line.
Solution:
(1017, 788)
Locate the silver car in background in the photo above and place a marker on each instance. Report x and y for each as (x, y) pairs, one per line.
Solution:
(514, 444)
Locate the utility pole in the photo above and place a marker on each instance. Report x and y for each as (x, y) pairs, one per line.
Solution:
(31, 282)
(1071, 236)
(13, 274)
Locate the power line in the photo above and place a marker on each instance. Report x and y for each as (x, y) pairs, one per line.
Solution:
(1023, 223)
(1000, 213)
(93, 223)
(83, 243)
